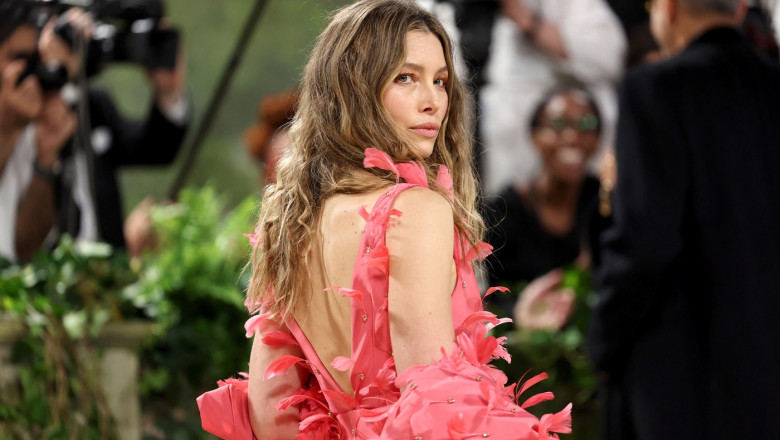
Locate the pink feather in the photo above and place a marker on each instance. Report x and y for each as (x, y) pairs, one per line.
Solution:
(342, 363)
(444, 178)
(496, 288)
(479, 252)
(311, 419)
(295, 399)
(254, 324)
(380, 259)
(413, 172)
(379, 159)
(559, 422)
(278, 339)
(342, 397)
(532, 381)
(281, 365)
(541, 397)
(479, 317)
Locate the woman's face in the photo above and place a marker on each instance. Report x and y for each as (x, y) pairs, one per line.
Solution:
(567, 135)
(417, 96)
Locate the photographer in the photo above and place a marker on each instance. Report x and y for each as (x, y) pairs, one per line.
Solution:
(34, 126)
(90, 203)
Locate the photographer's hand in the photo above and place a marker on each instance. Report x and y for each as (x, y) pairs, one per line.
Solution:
(37, 210)
(54, 49)
(54, 126)
(19, 104)
(169, 84)
(543, 304)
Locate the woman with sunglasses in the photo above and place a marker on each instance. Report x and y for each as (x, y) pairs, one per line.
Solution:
(540, 222)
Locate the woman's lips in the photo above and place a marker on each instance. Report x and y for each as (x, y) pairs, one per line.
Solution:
(426, 130)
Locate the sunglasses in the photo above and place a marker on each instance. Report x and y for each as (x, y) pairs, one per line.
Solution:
(586, 124)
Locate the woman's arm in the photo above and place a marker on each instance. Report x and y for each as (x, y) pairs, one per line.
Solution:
(267, 422)
(422, 276)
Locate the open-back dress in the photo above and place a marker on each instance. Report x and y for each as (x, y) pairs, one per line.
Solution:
(460, 396)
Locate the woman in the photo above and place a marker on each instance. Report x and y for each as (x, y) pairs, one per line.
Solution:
(541, 223)
(398, 349)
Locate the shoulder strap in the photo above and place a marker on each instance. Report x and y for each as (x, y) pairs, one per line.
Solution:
(371, 350)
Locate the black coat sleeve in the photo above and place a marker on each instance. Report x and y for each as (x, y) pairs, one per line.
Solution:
(154, 140)
(636, 264)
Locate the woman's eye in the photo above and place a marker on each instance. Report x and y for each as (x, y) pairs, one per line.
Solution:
(441, 82)
(403, 78)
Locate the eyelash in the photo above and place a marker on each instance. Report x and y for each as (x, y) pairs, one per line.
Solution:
(412, 77)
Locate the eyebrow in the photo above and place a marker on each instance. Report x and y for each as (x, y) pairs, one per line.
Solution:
(419, 67)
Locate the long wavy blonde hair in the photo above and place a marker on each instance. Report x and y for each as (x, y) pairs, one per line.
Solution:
(340, 114)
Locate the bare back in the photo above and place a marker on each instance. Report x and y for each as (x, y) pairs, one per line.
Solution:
(325, 316)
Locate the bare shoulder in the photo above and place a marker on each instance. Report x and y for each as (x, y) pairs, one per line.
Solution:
(423, 206)
(424, 229)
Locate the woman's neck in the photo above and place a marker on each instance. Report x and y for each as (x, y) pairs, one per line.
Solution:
(553, 192)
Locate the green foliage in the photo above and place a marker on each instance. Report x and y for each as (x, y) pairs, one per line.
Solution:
(197, 270)
(191, 285)
(561, 354)
(64, 298)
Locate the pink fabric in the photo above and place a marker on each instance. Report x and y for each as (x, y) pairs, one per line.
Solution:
(458, 397)
(225, 411)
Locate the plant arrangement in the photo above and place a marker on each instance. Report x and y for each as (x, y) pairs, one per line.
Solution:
(191, 286)
(561, 354)
(194, 283)
(64, 298)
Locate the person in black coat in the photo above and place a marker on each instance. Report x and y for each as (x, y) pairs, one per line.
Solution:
(117, 142)
(90, 207)
(685, 329)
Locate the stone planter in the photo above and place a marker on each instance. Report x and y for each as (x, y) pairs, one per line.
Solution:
(119, 364)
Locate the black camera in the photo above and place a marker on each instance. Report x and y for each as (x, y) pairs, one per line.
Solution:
(51, 76)
(125, 31)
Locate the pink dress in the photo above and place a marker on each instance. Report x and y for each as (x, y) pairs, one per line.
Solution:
(461, 396)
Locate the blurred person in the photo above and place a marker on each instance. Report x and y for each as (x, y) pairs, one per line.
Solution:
(34, 126)
(540, 222)
(759, 27)
(268, 138)
(90, 203)
(400, 350)
(642, 47)
(772, 7)
(684, 331)
(533, 44)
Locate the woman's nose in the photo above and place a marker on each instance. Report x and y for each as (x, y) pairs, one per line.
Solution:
(570, 134)
(429, 99)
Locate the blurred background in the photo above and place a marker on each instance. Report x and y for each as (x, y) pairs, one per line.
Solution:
(273, 62)
(100, 340)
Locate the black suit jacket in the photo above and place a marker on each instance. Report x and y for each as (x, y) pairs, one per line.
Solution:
(688, 319)
(154, 140)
